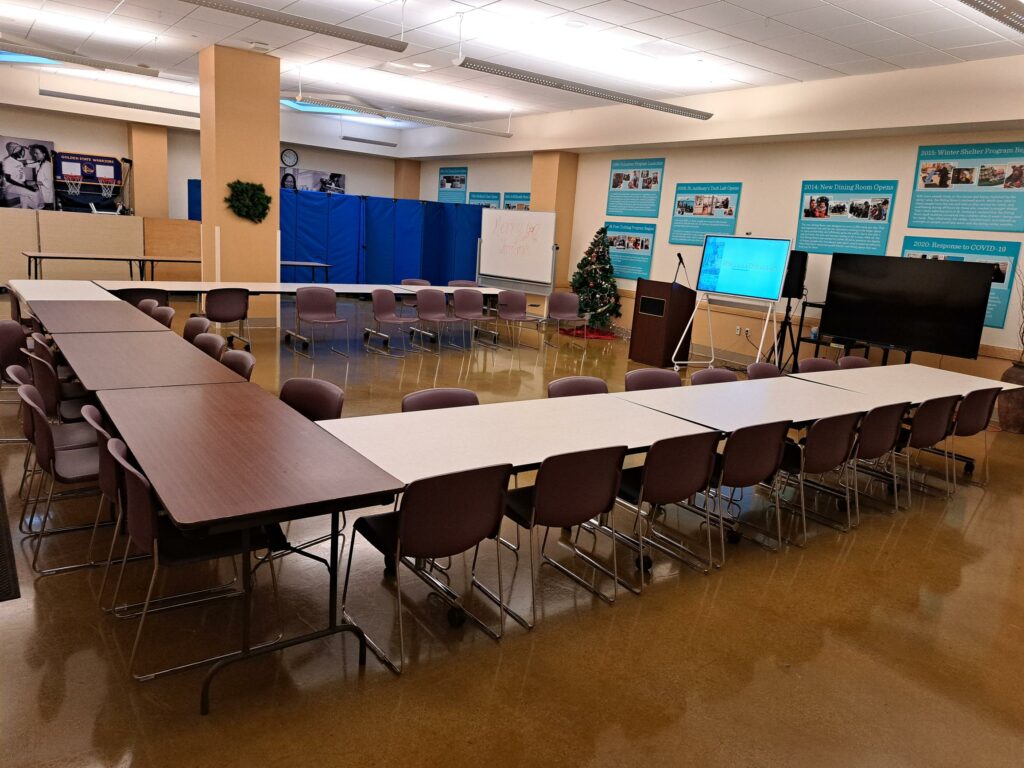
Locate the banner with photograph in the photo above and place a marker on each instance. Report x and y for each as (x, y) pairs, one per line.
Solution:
(486, 199)
(845, 216)
(314, 181)
(517, 201)
(452, 184)
(704, 209)
(1001, 254)
(634, 187)
(977, 187)
(27, 179)
(631, 246)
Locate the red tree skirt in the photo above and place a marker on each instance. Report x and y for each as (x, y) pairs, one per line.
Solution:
(601, 334)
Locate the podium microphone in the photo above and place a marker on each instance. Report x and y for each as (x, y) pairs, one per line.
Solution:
(679, 258)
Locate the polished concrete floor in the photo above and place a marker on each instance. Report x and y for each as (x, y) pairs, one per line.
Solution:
(898, 644)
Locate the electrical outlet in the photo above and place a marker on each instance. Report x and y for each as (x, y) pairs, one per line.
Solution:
(746, 332)
(737, 330)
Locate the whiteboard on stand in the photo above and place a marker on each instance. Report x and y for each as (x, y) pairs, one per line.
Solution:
(517, 250)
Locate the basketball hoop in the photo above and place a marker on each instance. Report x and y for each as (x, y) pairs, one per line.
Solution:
(106, 186)
(74, 184)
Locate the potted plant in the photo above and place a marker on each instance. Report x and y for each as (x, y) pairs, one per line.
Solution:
(1011, 404)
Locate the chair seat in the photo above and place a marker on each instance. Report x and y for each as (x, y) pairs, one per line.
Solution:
(72, 391)
(71, 410)
(438, 318)
(395, 319)
(558, 316)
(380, 530)
(178, 548)
(519, 317)
(629, 487)
(321, 317)
(68, 436)
(519, 506)
(790, 458)
(65, 372)
(78, 465)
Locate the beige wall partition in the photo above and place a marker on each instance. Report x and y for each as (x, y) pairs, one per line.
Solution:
(61, 232)
(174, 239)
(407, 179)
(19, 231)
(148, 151)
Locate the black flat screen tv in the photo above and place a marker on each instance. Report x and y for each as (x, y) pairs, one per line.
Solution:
(922, 305)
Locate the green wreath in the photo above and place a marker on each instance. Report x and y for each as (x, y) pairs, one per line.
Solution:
(248, 200)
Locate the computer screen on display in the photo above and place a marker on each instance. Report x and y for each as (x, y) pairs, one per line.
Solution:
(749, 267)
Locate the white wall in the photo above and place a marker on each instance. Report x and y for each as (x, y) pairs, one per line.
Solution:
(486, 174)
(769, 206)
(69, 133)
(364, 174)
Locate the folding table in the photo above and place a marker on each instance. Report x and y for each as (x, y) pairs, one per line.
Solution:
(908, 382)
(60, 290)
(93, 317)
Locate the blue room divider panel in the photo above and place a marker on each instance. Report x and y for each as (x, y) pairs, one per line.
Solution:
(311, 230)
(468, 219)
(289, 204)
(345, 237)
(409, 239)
(195, 200)
(378, 257)
(436, 243)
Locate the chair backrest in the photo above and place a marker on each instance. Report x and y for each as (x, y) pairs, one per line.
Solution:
(431, 302)
(148, 305)
(12, 339)
(415, 281)
(315, 300)
(763, 371)
(448, 514)
(713, 376)
(410, 299)
(853, 361)
(383, 302)
(134, 295)
(511, 303)
(42, 432)
(468, 301)
(140, 504)
(111, 474)
(571, 386)
(651, 378)
(163, 315)
(239, 361)
(975, 411)
(574, 487)
(816, 364)
(227, 305)
(439, 397)
(879, 430)
(678, 467)
(17, 374)
(563, 304)
(752, 455)
(932, 422)
(44, 378)
(462, 283)
(212, 344)
(830, 442)
(16, 309)
(315, 399)
(193, 327)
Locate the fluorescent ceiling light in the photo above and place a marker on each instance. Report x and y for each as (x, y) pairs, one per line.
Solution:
(82, 61)
(1008, 12)
(163, 84)
(22, 58)
(117, 103)
(300, 22)
(345, 108)
(478, 65)
(76, 24)
(349, 115)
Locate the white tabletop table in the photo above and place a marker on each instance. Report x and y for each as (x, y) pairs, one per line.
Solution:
(905, 383)
(59, 290)
(447, 289)
(411, 446)
(205, 286)
(732, 405)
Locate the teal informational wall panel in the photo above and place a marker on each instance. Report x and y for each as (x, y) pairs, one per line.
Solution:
(631, 246)
(634, 187)
(845, 216)
(704, 209)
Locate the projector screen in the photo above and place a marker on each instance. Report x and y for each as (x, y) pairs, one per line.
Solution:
(517, 245)
(750, 267)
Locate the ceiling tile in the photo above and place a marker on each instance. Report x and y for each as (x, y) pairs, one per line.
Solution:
(570, 5)
(664, 49)
(877, 10)
(923, 59)
(759, 56)
(672, 6)
(825, 17)
(715, 15)
(814, 72)
(857, 34)
(708, 40)
(775, 7)
(666, 26)
(865, 67)
(893, 46)
(935, 20)
(987, 51)
(758, 30)
(957, 38)
(618, 12)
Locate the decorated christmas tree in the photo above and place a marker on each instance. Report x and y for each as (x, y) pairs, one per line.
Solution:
(594, 283)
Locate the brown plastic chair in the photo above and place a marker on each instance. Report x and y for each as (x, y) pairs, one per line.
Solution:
(409, 299)
(571, 386)
(930, 425)
(462, 284)
(438, 517)
(316, 399)
(239, 361)
(12, 341)
(163, 315)
(212, 344)
(876, 446)
(853, 361)
(72, 466)
(230, 305)
(134, 295)
(155, 534)
(432, 307)
(512, 312)
(651, 378)
(752, 455)
(316, 306)
(828, 445)
(763, 371)
(973, 417)
(564, 311)
(384, 315)
(571, 489)
(193, 327)
(468, 306)
(438, 397)
(674, 471)
(816, 365)
(147, 306)
(57, 403)
(713, 376)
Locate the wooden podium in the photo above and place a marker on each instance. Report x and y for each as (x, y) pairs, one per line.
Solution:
(659, 318)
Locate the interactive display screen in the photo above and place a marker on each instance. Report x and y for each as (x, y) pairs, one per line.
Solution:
(917, 304)
(751, 267)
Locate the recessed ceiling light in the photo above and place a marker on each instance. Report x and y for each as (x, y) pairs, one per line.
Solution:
(422, 65)
(576, 24)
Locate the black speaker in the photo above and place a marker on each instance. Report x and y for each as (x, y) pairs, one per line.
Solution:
(796, 275)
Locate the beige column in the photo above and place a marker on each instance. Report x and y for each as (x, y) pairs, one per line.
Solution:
(240, 138)
(553, 188)
(407, 179)
(147, 147)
